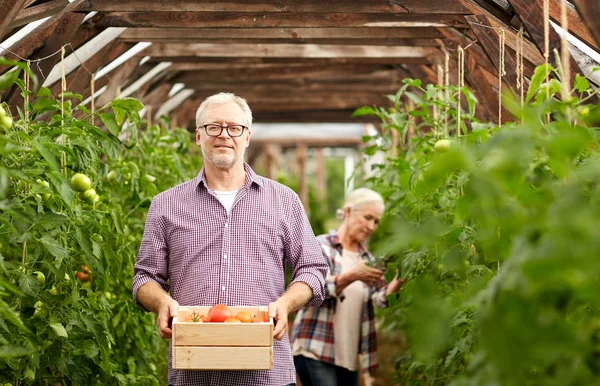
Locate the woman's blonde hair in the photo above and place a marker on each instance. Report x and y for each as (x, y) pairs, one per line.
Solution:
(357, 198)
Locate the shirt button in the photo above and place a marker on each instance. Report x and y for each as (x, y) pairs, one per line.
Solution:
(223, 288)
(226, 225)
(224, 256)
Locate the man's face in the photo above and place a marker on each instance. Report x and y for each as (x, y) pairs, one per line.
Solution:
(223, 151)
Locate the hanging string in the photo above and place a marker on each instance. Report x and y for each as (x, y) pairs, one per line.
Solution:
(93, 98)
(547, 47)
(461, 79)
(501, 73)
(447, 90)
(520, 66)
(27, 88)
(63, 87)
(564, 50)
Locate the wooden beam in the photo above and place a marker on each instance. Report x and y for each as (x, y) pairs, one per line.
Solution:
(348, 73)
(288, 51)
(342, 6)
(590, 10)
(10, 10)
(286, 88)
(326, 101)
(157, 96)
(302, 180)
(316, 115)
(309, 142)
(576, 25)
(38, 12)
(267, 34)
(272, 159)
(320, 174)
(117, 79)
(67, 25)
(272, 20)
(489, 40)
(35, 40)
(248, 62)
(531, 15)
(80, 80)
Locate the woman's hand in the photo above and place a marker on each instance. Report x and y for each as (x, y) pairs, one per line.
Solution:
(366, 274)
(395, 285)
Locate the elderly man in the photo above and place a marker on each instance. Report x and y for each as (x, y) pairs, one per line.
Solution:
(225, 237)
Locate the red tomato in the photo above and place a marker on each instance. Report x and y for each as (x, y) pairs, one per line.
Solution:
(218, 313)
(232, 319)
(244, 316)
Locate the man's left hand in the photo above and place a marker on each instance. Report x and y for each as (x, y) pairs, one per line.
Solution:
(279, 311)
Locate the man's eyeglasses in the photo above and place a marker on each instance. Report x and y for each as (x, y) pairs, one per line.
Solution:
(214, 130)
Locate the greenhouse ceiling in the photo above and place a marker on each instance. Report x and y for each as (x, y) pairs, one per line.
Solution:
(297, 61)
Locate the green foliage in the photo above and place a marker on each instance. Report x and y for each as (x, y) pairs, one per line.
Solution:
(64, 330)
(497, 238)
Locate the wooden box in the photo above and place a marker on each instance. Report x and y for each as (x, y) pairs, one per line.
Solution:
(222, 346)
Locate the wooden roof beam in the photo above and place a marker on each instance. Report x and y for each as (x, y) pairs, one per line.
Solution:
(267, 34)
(342, 6)
(532, 17)
(289, 51)
(10, 10)
(38, 12)
(270, 20)
(590, 9)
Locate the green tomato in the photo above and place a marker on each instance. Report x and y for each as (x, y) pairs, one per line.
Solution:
(40, 276)
(442, 146)
(111, 176)
(43, 183)
(2, 111)
(80, 182)
(53, 290)
(466, 263)
(6, 121)
(89, 195)
(150, 178)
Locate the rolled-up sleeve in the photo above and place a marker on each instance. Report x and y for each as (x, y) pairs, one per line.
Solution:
(152, 260)
(304, 254)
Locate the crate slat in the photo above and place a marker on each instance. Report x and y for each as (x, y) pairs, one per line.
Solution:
(222, 358)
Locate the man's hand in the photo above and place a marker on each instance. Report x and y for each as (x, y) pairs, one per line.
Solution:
(366, 274)
(167, 310)
(279, 311)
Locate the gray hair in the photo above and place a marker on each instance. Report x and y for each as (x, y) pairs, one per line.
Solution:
(357, 198)
(220, 98)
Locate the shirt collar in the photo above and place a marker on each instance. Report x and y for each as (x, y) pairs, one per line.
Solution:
(251, 177)
(335, 242)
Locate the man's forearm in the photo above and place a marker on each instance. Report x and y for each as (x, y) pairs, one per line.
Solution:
(151, 295)
(296, 296)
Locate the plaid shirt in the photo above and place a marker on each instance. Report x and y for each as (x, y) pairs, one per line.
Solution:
(313, 326)
(193, 249)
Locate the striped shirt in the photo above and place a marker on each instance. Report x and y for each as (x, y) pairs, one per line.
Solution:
(313, 328)
(203, 256)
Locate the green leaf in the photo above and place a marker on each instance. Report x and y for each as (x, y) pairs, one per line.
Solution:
(9, 78)
(29, 285)
(110, 122)
(581, 83)
(539, 76)
(59, 330)
(362, 111)
(54, 247)
(14, 351)
(47, 154)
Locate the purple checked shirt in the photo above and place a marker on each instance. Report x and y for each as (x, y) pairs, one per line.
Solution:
(193, 249)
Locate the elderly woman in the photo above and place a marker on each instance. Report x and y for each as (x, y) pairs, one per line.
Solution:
(328, 340)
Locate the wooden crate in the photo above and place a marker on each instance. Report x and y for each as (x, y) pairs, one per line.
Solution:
(222, 346)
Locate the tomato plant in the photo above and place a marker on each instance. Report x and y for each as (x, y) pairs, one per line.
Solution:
(56, 328)
(497, 236)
